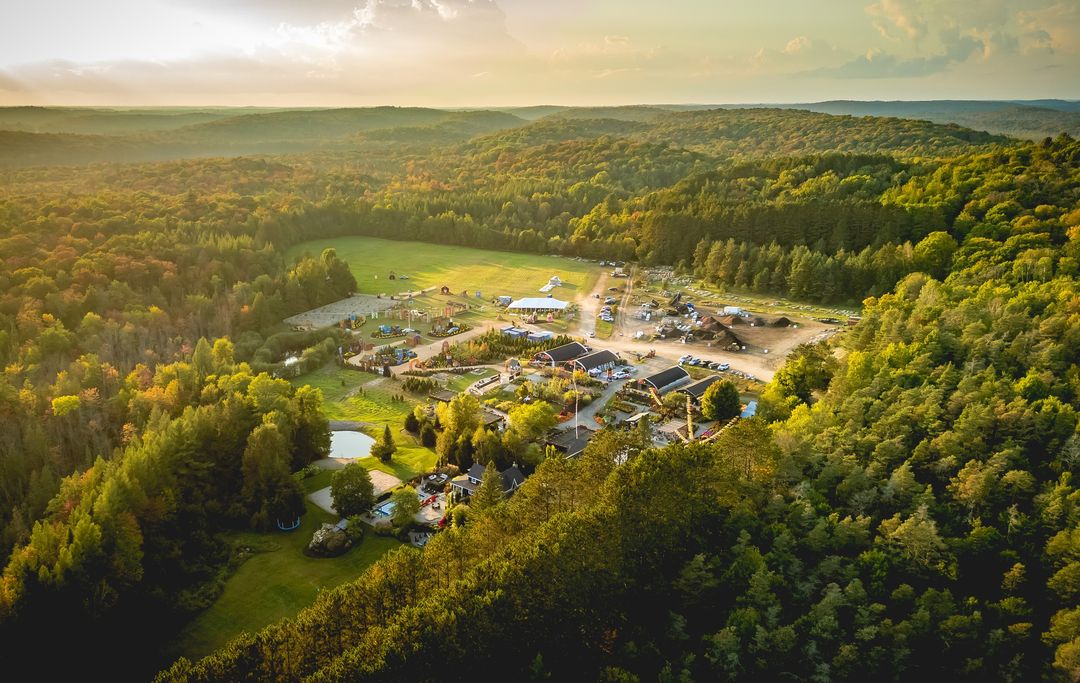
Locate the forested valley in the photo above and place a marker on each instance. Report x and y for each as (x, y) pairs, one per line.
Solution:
(903, 506)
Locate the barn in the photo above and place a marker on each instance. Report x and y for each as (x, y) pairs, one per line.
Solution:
(665, 380)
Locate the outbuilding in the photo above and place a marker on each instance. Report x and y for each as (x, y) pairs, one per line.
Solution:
(597, 361)
(665, 380)
(561, 354)
(696, 390)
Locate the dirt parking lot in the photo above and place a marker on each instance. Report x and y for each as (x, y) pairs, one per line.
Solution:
(331, 314)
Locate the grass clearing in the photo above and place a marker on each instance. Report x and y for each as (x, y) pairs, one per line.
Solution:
(463, 382)
(408, 461)
(604, 329)
(276, 581)
(459, 268)
(352, 395)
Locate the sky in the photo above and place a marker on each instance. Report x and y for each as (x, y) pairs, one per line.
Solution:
(475, 53)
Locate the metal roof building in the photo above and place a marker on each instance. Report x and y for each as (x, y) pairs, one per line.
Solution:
(666, 380)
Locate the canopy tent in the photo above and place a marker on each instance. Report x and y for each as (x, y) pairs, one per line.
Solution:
(537, 303)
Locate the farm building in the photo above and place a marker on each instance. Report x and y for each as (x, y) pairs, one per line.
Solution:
(543, 335)
(696, 390)
(561, 354)
(665, 380)
(597, 360)
(538, 304)
(504, 300)
(516, 332)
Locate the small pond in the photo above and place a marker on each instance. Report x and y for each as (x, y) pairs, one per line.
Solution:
(350, 444)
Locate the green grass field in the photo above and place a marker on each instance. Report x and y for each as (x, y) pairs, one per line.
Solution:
(463, 382)
(460, 268)
(352, 395)
(604, 329)
(277, 581)
(342, 400)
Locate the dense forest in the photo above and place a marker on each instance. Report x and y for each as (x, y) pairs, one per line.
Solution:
(904, 505)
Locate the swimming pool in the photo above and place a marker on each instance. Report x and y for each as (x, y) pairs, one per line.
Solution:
(386, 509)
(345, 444)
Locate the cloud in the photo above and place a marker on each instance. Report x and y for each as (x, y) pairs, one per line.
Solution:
(383, 49)
(1050, 29)
(879, 64)
(897, 14)
(278, 11)
(797, 45)
(462, 52)
(615, 54)
(798, 54)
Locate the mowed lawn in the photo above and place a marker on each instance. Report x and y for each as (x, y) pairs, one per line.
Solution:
(352, 395)
(277, 581)
(494, 273)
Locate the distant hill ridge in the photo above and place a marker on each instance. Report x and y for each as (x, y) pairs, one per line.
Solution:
(52, 136)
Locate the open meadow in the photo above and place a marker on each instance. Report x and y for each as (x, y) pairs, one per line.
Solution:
(494, 273)
(276, 580)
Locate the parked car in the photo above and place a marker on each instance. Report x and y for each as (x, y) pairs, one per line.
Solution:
(685, 359)
(724, 366)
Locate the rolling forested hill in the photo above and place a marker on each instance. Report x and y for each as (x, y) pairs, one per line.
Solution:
(1031, 120)
(131, 138)
(903, 507)
(718, 132)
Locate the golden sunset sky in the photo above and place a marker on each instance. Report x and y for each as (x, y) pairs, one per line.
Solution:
(518, 52)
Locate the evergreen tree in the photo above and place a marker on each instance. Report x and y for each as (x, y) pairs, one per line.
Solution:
(269, 492)
(385, 447)
(203, 358)
(490, 492)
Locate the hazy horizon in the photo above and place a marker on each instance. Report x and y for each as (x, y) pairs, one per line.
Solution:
(533, 105)
(515, 53)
